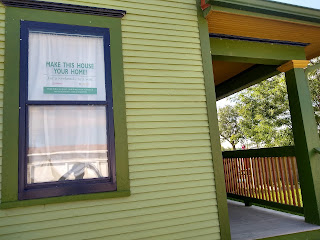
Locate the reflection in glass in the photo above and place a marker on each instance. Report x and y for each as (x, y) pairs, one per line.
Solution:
(67, 143)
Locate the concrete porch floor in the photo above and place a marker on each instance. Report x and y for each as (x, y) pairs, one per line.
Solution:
(254, 222)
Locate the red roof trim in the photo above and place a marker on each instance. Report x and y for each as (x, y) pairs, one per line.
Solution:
(204, 5)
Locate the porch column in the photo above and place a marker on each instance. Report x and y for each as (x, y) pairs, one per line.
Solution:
(305, 137)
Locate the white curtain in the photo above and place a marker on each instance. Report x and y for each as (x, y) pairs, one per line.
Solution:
(66, 143)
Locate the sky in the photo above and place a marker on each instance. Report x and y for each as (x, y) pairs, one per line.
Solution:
(304, 3)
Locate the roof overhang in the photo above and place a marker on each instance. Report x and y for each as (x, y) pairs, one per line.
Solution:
(259, 22)
(263, 7)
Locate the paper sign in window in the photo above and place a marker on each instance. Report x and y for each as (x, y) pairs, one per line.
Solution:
(66, 67)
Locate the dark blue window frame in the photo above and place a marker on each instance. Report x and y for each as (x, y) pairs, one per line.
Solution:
(74, 187)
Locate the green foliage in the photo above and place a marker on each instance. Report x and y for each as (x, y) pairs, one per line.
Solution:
(314, 84)
(265, 116)
(261, 113)
(228, 124)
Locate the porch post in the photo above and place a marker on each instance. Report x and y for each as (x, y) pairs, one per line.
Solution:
(305, 137)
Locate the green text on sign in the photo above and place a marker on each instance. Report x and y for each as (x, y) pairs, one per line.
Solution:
(69, 90)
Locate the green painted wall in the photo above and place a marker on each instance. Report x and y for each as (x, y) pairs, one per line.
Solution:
(170, 158)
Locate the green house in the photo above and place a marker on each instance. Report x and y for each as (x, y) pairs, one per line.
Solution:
(108, 112)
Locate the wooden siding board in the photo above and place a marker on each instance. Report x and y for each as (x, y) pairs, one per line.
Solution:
(154, 54)
(157, 25)
(156, 108)
(157, 98)
(167, 117)
(170, 3)
(204, 235)
(140, 231)
(169, 159)
(157, 79)
(185, 62)
(172, 180)
(174, 130)
(161, 43)
(173, 165)
(117, 218)
(100, 219)
(138, 7)
(2, 51)
(168, 91)
(191, 234)
(155, 31)
(80, 215)
(156, 66)
(167, 145)
(160, 37)
(164, 104)
(51, 212)
(169, 172)
(163, 85)
(150, 19)
(161, 187)
(167, 152)
(165, 138)
(97, 230)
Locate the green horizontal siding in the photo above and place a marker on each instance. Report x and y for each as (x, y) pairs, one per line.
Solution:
(2, 38)
(170, 159)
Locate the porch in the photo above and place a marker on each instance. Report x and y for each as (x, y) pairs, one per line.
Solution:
(269, 178)
(250, 41)
(256, 222)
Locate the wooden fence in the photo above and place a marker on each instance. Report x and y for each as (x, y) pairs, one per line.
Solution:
(266, 176)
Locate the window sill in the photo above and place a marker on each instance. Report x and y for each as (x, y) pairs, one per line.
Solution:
(64, 199)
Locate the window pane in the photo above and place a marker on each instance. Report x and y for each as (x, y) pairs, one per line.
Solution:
(66, 67)
(67, 143)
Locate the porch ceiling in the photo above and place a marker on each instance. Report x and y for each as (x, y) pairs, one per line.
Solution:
(264, 27)
(225, 70)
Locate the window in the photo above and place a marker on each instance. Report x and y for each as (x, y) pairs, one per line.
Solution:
(66, 95)
(66, 119)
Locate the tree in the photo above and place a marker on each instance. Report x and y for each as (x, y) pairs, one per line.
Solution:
(261, 113)
(313, 74)
(264, 113)
(228, 125)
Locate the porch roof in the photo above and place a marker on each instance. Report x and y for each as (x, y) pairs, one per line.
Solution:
(260, 21)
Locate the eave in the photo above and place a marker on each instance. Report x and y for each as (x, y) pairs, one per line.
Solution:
(265, 7)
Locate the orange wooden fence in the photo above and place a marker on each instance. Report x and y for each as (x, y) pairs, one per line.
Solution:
(269, 178)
